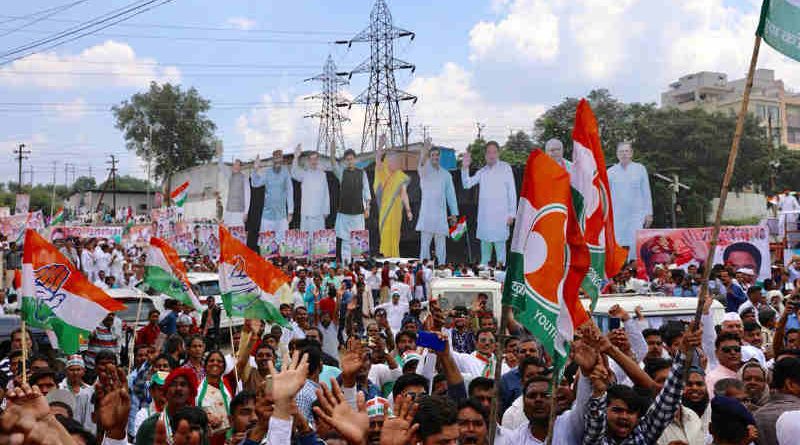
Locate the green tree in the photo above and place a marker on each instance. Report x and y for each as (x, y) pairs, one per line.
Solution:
(517, 148)
(182, 133)
(477, 151)
(82, 184)
(129, 183)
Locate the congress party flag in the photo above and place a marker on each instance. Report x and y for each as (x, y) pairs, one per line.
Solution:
(179, 194)
(56, 296)
(595, 216)
(58, 217)
(548, 258)
(164, 271)
(779, 26)
(250, 285)
(458, 229)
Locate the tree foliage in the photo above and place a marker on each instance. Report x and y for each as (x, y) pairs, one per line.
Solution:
(82, 184)
(182, 133)
(41, 196)
(129, 184)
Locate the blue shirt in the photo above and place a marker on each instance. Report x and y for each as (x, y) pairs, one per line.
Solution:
(792, 322)
(510, 388)
(734, 298)
(169, 324)
(278, 193)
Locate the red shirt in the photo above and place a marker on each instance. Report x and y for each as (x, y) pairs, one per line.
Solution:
(147, 335)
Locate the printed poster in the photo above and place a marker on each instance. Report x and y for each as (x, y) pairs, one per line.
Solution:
(85, 232)
(359, 243)
(22, 204)
(295, 244)
(13, 227)
(739, 246)
(268, 243)
(323, 243)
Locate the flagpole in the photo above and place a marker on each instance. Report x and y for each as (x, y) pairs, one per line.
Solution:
(726, 181)
(498, 372)
(131, 351)
(233, 348)
(24, 352)
(551, 421)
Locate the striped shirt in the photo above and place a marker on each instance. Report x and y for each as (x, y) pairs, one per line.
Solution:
(102, 339)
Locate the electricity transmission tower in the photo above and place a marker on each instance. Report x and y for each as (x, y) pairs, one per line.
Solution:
(381, 98)
(330, 117)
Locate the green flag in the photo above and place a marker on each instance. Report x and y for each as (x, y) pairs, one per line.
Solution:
(780, 26)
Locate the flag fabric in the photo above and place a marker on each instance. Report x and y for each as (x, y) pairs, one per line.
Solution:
(250, 285)
(56, 296)
(459, 228)
(58, 217)
(779, 26)
(164, 271)
(593, 206)
(179, 195)
(548, 258)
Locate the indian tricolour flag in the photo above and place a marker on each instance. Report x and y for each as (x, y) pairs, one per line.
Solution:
(459, 228)
(179, 195)
(548, 258)
(58, 217)
(164, 271)
(593, 202)
(56, 296)
(250, 285)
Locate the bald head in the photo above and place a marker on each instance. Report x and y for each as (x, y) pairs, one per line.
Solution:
(555, 149)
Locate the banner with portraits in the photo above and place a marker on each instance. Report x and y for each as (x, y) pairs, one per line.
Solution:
(359, 243)
(22, 204)
(139, 235)
(269, 244)
(323, 243)
(741, 247)
(13, 227)
(86, 232)
(295, 244)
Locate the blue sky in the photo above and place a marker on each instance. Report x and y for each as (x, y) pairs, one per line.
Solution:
(500, 62)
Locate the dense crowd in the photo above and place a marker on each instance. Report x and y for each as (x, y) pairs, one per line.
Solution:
(368, 355)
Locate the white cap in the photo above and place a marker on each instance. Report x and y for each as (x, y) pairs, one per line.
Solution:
(746, 271)
(731, 316)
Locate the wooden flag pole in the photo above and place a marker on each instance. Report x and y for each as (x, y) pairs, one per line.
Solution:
(551, 421)
(132, 350)
(233, 348)
(24, 352)
(498, 373)
(726, 182)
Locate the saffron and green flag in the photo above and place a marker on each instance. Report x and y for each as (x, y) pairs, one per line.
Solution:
(779, 26)
(56, 296)
(548, 259)
(589, 180)
(250, 285)
(179, 195)
(458, 229)
(164, 271)
(58, 217)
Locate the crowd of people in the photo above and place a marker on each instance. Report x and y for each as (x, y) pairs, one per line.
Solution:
(368, 355)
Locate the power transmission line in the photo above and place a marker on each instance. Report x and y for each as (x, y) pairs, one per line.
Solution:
(47, 15)
(21, 153)
(11, 18)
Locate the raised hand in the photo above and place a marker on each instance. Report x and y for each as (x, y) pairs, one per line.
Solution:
(599, 378)
(115, 402)
(298, 149)
(351, 363)
(692, 339)
(400, 430)
(287, 383)
(334, 410)
(584, 356)
(617, 311)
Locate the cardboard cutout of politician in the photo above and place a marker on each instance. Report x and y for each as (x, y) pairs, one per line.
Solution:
(630, 197)
(438, 194)
(237, 199)
(497, 201)
(555, 149)
(353, 183)
(315, 204)
(278, 204)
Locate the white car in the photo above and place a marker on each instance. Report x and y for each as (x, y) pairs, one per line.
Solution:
(462, 291)
(206, 284)
(657, 309)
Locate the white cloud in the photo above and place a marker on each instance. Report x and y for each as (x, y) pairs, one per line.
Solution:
(72, 110)
(110, 64)
(451, 104)
(529, 32)
(243, 23)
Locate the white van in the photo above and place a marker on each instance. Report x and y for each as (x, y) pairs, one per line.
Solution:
(657, 309)
(462, 291)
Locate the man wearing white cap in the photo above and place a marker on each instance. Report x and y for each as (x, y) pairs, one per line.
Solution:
(75, 371)
(378, 409)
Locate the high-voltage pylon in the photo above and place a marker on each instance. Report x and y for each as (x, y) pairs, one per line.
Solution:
(381, 98)
(330, 117)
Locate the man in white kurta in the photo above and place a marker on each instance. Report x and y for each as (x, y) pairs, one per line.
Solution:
(314, 201)
(353, 182)
(787, 203)
(630, 197)
(438, 193)
(278, 195)
(497, 201)
(237, 192)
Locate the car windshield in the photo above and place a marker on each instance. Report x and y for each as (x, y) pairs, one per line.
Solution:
(450, 299)
(131, 307)
(206, 288)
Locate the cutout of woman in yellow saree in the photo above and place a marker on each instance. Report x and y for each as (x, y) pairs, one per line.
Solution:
(390, 190)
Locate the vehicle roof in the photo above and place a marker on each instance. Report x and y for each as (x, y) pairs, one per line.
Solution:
(466, 283)
(648, 303)
(201, 276)
(125, 292)
(395, 260)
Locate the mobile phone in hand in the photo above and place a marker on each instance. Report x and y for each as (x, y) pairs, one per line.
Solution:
(430, 340)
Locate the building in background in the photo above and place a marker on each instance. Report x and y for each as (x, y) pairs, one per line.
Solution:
(777, 108)
(86, 202)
